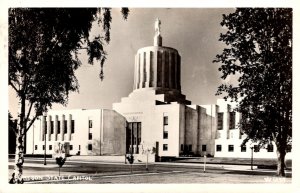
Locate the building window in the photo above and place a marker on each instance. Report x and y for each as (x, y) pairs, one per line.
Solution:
(79, 147)
(72, 126)
(165, 147)
(90, 123)
(288, 148)
(58, 127)
(139, 124)
(166, 120)
(51, 127)
(243, 148)
(65, 127)
(90, 136)
(256, 148)
(43, 147)
(220, 121)
(190, 147)
(35, 147)
(232, 120)
(203, 147)
(50, 147)
(165, 127)
(90, 147)
(181, 147)
(71, 147)
(230, 148)
(219, 147)
(165, 134)
(144, 70)
(270, 148)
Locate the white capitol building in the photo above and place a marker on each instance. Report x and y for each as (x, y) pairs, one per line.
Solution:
(155, 115)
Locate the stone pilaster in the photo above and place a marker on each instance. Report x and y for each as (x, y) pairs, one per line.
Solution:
(69, 127)
(62, 128)
(55, 127)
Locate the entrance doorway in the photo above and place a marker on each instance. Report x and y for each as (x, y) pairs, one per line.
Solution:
(133, 137)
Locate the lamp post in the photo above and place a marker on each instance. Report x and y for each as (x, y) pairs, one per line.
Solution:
(45, 115)
(204, 162)
(252, 147)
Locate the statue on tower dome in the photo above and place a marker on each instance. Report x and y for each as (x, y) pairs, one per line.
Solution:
(157, 26)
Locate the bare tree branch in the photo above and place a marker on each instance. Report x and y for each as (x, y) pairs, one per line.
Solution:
(13, 86)
(31, 122)
(29, 110)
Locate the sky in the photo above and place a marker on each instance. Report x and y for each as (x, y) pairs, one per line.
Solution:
(194, 32)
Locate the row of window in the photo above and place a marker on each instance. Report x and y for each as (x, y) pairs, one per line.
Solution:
(243, 148)
(90, 147)
(90, 123)
(165, 132)
(90, 135)
(165, 127)
(50, 147)
(58, 127)
(231, 120)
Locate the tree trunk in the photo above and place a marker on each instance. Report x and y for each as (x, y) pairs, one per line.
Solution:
(20, 145)
(280, 161)
(19, 158)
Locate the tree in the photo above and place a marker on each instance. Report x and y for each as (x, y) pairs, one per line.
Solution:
(43, 56)
(259, 53)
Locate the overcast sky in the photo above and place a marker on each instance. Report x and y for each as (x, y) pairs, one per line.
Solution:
(193, 32)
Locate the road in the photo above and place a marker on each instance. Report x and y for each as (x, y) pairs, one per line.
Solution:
(107, 172)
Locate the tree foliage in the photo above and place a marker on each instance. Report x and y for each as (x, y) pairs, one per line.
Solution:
(259, 52)
(43, 56)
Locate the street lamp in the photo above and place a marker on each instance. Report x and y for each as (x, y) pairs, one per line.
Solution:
(252, 147)
(45, 115)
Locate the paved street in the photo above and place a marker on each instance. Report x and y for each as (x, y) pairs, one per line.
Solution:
(101, 172)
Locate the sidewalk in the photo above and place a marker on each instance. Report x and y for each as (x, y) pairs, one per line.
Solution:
(110, 159)
(222, 163)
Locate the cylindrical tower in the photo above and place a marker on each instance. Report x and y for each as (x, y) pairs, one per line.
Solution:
(157, 67)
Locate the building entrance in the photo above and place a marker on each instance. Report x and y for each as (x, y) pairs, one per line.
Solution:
(133, 137)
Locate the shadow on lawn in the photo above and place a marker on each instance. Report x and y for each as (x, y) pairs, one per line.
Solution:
(258, 173)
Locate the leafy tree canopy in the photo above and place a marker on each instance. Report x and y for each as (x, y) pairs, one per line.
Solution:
(43, 56)
(43, 50)
(259, 52)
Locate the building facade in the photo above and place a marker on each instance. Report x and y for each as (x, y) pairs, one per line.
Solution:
(156, 117)
(85, 132)
(229, 137)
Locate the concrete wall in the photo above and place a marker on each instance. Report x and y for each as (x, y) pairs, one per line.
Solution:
(191, 130)
(114, 134)
(199, 129)
(207, 130)
(172, 111)
(105, 124)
